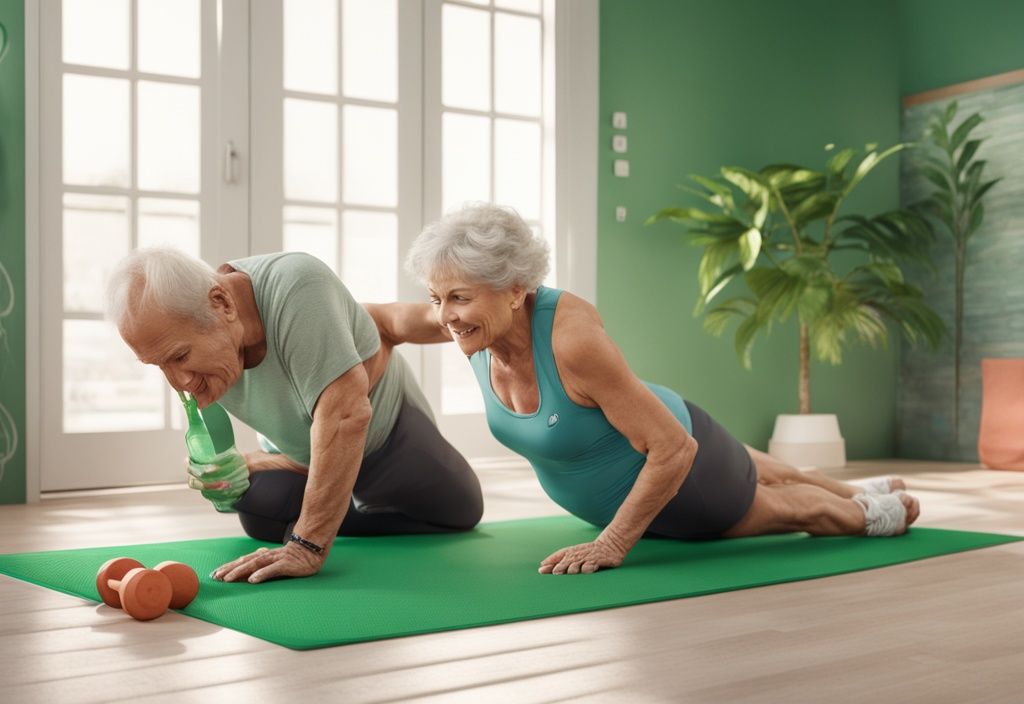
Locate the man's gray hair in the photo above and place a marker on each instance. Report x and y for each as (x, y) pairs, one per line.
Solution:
(485, 243)
(162, 279)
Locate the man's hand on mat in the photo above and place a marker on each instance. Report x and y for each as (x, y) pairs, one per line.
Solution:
(585, 558)
(292, 560)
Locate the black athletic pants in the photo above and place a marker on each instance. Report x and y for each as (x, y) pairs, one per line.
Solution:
(416, 483)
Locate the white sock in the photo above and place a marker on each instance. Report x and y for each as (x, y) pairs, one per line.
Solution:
(884, 514)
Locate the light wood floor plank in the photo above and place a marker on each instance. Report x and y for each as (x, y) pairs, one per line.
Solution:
(948, 629)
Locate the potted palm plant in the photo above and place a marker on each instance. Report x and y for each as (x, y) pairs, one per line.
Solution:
(947, 162)
(780, 231)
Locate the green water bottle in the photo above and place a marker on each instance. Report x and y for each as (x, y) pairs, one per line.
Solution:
(197, 437)
(211, 443)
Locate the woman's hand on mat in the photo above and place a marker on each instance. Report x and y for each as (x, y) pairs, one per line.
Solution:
(583, 558)
(292, 560)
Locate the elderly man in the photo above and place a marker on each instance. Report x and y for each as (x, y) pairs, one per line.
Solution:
(280, 343)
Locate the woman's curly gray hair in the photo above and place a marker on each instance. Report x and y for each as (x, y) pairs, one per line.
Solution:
(483, 242)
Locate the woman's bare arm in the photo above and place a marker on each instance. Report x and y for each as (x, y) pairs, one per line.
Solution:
(398, 323)
(595, 372)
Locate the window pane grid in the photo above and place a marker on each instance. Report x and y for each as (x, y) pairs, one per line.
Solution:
(105, 390)
(513, 142)
(358, 222)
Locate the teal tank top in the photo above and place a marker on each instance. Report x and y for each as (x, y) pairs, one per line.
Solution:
(583, 463)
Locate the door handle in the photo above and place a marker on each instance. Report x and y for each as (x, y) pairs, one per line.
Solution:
(230, 158)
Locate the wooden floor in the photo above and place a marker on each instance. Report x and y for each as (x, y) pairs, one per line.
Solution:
(948, 629)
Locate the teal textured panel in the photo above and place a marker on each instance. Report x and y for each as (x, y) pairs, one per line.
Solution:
(993, 288)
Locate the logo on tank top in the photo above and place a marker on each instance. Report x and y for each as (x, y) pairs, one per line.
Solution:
(552, 419)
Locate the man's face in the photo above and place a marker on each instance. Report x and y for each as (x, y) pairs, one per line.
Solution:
(205, 361)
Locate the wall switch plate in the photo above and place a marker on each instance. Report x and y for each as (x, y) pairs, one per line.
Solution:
(620, 213)
(622, 168)
(619, 143)
(619, 120)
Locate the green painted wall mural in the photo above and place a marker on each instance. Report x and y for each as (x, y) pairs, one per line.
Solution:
(743, 83)
(993, 287)
(12, 252)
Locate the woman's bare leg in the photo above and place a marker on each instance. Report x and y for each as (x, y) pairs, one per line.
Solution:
(789, 508)
(771, 470)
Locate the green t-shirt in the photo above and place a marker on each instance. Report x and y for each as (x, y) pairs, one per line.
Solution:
(315, 333)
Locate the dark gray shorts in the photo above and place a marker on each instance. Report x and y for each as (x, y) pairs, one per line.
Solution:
(719, 489)
(415, 483)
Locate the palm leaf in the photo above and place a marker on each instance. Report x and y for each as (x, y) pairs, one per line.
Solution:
(961, 132)
(966, 154)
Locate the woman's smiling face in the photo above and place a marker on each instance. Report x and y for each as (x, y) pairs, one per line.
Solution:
(475, 314)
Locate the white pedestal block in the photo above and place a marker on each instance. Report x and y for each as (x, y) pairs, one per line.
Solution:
(808, 441)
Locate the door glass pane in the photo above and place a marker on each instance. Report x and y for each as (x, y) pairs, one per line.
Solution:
(96, 131)
(164, 222)
(466, 155)
(466, 58)
(460, 392)
(105, 387)
(370, 46)
(96, 236)
(168, 137)
(311, 46)
(95, 33)
(369, 259)
(521, 5)
(314, 231)
(310, 150)
(371, 156)
(169, 37)
(517, 166)
(517, 59)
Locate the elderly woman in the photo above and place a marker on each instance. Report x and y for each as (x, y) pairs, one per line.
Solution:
(281, 344)
(630, 457)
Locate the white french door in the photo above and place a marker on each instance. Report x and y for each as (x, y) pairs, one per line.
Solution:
(236, 127)
(136, 103)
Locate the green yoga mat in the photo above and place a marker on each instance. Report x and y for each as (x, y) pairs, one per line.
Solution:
(372, 588)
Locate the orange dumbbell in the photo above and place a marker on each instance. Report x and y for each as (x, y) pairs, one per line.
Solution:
(124, 583)
(184, 582)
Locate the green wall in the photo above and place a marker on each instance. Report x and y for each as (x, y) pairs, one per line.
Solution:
(943, 42)
(743, 83)
(12, 255)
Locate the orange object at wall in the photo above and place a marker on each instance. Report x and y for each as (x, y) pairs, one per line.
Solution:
(1001, 438)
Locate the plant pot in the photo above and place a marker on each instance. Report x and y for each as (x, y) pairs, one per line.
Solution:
(808, 440)
(1001, 432)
